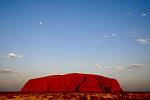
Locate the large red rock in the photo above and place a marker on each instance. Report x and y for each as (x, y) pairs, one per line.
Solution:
(74, 82)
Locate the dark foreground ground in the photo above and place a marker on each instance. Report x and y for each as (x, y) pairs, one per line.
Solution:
(75, 96)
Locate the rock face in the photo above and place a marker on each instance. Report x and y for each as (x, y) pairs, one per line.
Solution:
(74, 82)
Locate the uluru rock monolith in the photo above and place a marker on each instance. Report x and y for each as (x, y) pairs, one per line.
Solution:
(74, 82)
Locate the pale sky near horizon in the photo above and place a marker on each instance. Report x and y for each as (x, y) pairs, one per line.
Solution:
(104, 37)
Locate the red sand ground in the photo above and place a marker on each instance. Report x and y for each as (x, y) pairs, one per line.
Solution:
(75, 96)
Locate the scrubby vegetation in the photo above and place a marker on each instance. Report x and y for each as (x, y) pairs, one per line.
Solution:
(74, 96)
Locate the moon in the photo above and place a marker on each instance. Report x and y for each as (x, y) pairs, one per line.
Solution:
(40, 23)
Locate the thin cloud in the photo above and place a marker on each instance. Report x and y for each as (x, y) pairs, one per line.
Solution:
(112, 68)
(143, 40)
(113, 34)
(40, 23)
(116, 68)
(13, 55)
(122, 68)
(143, 14)
(106, 36)
(135, 34)
(97, 65)
(131, 66)
(129, 13)
(6, 71)
(135, 66)
(97, 40)
(109, 67)
(110, 35)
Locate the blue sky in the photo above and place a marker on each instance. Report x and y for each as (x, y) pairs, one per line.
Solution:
(105, 37)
